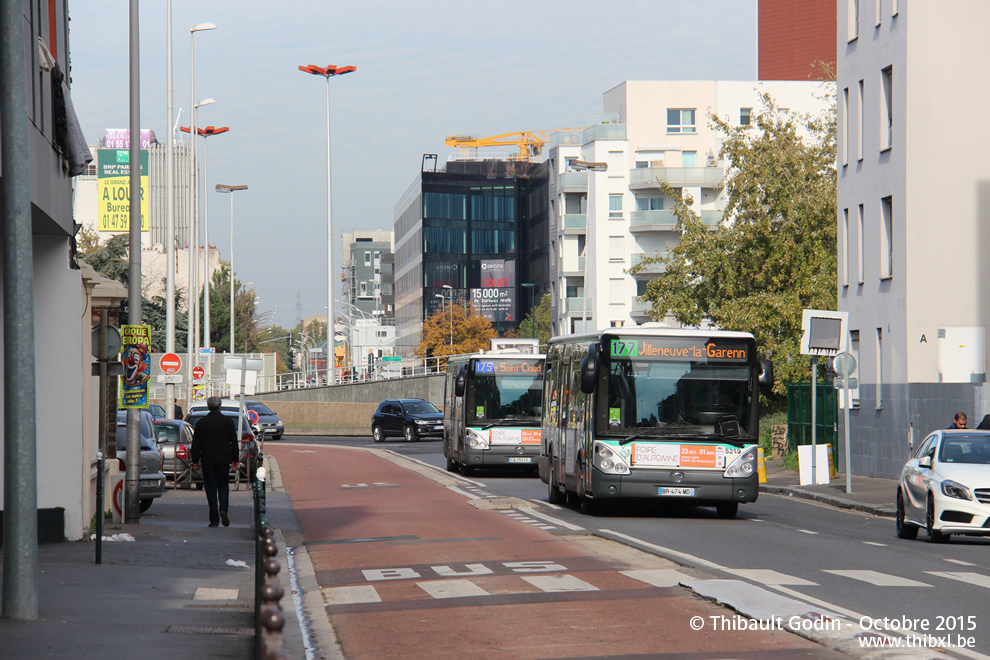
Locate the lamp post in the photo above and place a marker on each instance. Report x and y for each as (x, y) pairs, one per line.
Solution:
(329, 72)
(221, 188)
(193, 227)
(451, 307)
(532, 302)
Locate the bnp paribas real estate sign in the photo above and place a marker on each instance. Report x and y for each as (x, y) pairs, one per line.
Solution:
(114, 185)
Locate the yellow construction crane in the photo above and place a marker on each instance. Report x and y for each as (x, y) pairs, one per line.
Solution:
(530, 143)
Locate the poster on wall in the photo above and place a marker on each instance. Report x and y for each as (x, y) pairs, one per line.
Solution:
(135, 355)
(494, 304)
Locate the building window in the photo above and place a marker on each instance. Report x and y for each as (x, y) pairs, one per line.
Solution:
(616, 248)
(689, 158)
(859, 124)
(860, 235)
(745, 116)
(642, 164)
(378, 257)
(886, 238)
(681, 120)
(364, 289)
(845, 247)
(649, 203)
(853, 22)
(615, 206)
(844, 120)
(879, 368)
(894, 7)
(854, 349)
(367, 258)
(877, 7)
(886, 108)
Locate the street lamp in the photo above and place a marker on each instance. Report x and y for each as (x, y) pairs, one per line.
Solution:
(231, 189)
(191, 339)
(530, 285)
(329, 72)
(451, 307)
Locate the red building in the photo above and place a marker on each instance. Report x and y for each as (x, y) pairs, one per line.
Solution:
(792, 36)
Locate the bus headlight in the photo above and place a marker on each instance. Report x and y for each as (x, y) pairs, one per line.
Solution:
(476, 439)
(743, 466)
(608, 461)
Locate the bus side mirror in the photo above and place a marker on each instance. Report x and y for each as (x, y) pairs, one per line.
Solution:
(589, 370)
(460, 381)
(766, 373)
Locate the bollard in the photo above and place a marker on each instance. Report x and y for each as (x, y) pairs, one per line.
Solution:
(831, 462)
(761, 465)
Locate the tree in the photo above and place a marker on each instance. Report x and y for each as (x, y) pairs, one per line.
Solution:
(774, 253)
(471, 332)
(543, 327)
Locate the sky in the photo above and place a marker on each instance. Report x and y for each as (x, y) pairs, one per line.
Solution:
(425, 70)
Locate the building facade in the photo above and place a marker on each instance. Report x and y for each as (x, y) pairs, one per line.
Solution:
(369, 304)
(794, 37)
(917, 321)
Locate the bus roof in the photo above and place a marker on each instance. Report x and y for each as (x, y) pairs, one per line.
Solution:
(639, 331)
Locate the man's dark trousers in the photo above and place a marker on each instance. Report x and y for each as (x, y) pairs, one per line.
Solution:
(217, 488)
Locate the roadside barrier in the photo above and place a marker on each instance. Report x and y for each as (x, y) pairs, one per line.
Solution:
(268, 616)
(761, 465)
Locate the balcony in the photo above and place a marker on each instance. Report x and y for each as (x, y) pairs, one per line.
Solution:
(651, 269)
(639, 307)
(576, 221)
(578, 306)
(641, 221)
(565, 137)
(573, 182)
(567, 268)
(603, 132)
(643, 178)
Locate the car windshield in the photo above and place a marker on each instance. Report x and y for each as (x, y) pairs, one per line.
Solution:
(973, 449)
(420, 407)
(196, 416)
(167, 432)
(258, 407)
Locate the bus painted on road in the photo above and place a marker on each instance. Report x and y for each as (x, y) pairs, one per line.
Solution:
(492, 409)
(653, 413)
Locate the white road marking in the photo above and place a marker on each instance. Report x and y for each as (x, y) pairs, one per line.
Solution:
(807, 531)
(978, 579)
(215, 593)
(351, 595)
(879, 579)
(657, 577)
(554, 521)
(463, 492)
(690, 559)
(472, 569)
(960, 562)
(552, 583)
(879, 545)
(451, 588)
(768, 576)
(542, 503)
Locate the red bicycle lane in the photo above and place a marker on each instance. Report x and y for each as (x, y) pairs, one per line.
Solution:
(409, 568)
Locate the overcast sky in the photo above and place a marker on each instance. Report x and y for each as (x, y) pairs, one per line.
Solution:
(425, 70)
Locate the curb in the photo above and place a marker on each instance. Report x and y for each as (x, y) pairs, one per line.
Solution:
(839, 502)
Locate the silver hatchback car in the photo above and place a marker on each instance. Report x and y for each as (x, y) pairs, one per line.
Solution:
(152, 477)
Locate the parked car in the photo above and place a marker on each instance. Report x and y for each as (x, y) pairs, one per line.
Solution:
(945, 486)
(268, 421)
(152, 477)
(411, 418)
(175, 443)
(157, 411)
(251, 456)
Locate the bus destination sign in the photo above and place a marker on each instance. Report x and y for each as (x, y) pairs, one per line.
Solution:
(663, 348)
(509, 367)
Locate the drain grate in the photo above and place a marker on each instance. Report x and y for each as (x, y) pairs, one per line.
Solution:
(210, 630)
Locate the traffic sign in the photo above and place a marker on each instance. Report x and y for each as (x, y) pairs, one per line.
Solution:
(391, 358)
(252, 416)
(199, 372)
(170, 363)
(174, 379)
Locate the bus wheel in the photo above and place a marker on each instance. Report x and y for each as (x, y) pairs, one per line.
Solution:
(589, 507)
(451, 465)
(466, 470)
(727, 509)
(554, 496)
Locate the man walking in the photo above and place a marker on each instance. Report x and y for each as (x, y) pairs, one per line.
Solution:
(215, 446)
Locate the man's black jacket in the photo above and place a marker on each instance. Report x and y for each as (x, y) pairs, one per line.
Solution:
(215, 440)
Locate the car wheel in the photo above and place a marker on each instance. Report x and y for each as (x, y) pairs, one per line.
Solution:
(146, 504)
(410, 433)
(376, 433)
(905, 530)
(554, 496)
(934, 536)
(727, 509)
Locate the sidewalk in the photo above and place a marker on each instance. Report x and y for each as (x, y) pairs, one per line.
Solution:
(869, 494)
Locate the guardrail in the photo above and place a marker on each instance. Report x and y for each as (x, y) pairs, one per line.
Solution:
(268, 616)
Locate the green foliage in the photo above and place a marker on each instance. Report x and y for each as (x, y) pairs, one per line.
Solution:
(774, 253)
(108, 259)
(543, 327)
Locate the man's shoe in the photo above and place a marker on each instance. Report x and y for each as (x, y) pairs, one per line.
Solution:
(224, 519)
(214, 525)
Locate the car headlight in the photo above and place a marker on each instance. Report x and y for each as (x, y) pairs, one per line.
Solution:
(421, 421)
(957, 490)
(743, 466)
(477, 439)
(608, 461)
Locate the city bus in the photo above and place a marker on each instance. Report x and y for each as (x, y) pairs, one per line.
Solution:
(652, 413)
(492, 410)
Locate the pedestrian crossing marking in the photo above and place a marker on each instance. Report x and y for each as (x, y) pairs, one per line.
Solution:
(657, 577)
(879, 545)
(879, 579)
(960, 562)
(351, 595)
(555, 583)
(768, 576)
(807, 531)
(452, 589)
(978, 579)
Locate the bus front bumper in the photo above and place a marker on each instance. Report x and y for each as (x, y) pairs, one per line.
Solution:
(502, 456)
(693, 488)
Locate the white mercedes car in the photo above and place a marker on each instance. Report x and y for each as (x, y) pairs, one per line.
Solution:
(945, 486)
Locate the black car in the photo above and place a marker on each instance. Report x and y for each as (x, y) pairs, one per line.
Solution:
(411, 418)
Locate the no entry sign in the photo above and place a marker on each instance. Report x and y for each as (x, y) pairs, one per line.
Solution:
(170, 363)
(198, 372)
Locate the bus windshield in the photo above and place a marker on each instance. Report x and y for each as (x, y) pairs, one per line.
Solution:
(693, 387)
(506, 390)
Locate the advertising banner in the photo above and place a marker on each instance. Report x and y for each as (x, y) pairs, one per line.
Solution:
(120, 138)
(113, 190)
(135, 355)
(498, 273)
(494, 304)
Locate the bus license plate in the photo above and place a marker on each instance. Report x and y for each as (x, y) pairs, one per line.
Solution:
(520, 459)
(678, 492)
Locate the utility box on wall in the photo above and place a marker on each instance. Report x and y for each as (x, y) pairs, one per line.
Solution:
(962, 354)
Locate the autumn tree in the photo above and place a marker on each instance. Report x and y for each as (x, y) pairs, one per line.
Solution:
(454, 331)
(774, 253)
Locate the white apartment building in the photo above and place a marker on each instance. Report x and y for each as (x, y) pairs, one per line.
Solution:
(607, 210)
(913, 203)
